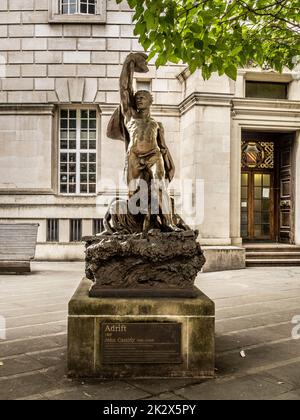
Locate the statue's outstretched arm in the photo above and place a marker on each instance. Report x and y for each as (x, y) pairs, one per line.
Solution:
(135, 62)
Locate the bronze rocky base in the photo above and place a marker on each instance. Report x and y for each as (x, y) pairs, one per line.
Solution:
(152, 264)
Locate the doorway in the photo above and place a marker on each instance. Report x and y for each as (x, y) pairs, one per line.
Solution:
(267, 187)
(257, 206)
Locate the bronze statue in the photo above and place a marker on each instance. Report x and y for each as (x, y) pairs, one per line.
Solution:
(145, 253)
(147, 156)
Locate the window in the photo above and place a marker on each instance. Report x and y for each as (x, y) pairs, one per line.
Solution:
(52, 230)
(75, 230)
(98, 226)
(78, 144)
(143, 85)
(267, 90)
(80, 11)
(68, 7)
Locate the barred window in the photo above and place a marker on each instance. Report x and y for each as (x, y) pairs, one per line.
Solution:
(78, 144)
(69, 7)
(75, 230)
(52, 230)
(98, 226)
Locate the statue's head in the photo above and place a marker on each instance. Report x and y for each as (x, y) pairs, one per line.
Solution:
(143, 99)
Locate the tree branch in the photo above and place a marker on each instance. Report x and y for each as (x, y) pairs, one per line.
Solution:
(255, 12)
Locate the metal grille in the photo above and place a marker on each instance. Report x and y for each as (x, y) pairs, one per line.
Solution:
(98, 226)
(52, 230)
(75, 230)
(262, 155)
(269, 149)
(70, 7)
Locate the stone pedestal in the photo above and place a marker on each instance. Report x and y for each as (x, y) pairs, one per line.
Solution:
(188, 324)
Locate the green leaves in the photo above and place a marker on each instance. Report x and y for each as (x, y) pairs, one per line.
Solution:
(196, 28)
(150, 20)
(231, 71)
(219, 35)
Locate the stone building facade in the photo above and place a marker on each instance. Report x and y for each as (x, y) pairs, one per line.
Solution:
(58, 88)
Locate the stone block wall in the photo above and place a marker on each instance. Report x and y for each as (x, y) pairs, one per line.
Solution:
(38, 59)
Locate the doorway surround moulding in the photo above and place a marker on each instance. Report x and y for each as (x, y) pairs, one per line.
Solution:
(259, 115)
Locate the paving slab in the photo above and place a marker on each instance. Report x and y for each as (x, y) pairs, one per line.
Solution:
(36, 330)
(243, 339)
(87, 390)
(159, 386)
(28, 345)
(289, 396)
(255, 387)
(19, 364)
(24, 386)
(167, 396)
(224, 326)
(288, 374)
(36, 319)
(50, 357)
(258, 358)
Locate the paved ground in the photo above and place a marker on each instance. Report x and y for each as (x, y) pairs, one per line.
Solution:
(254, 312)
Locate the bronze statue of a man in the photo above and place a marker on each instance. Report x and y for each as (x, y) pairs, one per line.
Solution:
(147, 154)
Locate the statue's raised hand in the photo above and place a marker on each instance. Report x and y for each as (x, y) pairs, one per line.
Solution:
(140, 62)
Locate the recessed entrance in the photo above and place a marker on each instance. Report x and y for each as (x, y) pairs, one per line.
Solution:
(257, 206)
(267, 187)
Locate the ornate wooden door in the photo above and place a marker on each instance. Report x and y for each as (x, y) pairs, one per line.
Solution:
(286, 191)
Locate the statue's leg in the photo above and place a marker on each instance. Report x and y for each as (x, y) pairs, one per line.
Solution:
(165, 204)
(108, 229)
(148, 177)
(133, 173)
(107, 226)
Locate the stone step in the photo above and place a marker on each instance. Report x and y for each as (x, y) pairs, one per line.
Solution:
(291, 249)
(272, 255)
(273, 263)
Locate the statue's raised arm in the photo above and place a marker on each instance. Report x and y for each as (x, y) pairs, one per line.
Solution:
(135, 62)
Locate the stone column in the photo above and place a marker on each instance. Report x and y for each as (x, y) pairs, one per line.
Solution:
(64, 231)
(205, 157)
(235, 184)
(87, 227)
